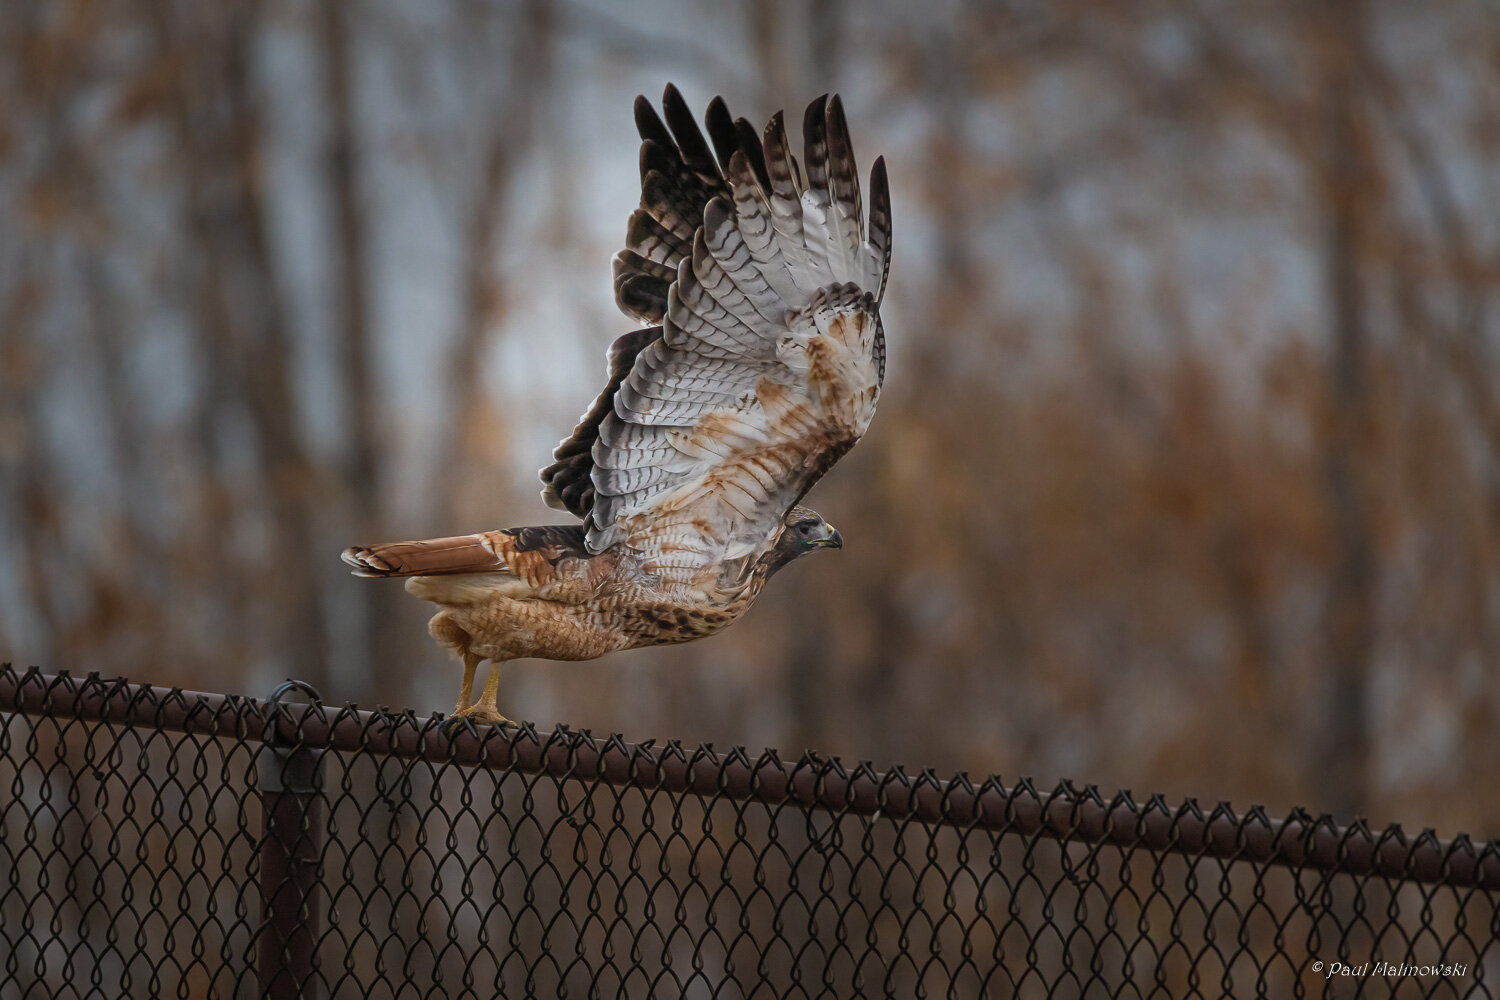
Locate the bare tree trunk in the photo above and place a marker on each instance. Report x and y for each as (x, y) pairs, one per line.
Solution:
(239, 309)
(1349, 615)
(483, 292)
(371, 643)
(29, 500)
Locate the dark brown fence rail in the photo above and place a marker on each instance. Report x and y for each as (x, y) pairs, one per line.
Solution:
(156, 842)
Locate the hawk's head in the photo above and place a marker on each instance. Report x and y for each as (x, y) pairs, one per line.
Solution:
(804, 530)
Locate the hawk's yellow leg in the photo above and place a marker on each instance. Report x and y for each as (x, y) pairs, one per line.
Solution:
(486, 706)
(484, 710)
(471, 663)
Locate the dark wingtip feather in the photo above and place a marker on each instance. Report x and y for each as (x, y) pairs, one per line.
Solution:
(679, 175)
(721, 131)
(639, 295)
(837, 129)
(815, 142)
(815, 117)
(778, 154)
(843, 177)
(648, 125)
(658, 155)
(776, 125)
(748, 142)
(880, 200)
(695, 151)
(880, 227)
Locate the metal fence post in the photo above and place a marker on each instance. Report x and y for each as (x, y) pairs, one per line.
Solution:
(291, 848)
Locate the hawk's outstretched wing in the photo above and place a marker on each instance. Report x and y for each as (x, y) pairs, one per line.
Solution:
(770, 355)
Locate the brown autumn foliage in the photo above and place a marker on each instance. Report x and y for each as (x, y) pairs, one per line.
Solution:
(1186, 478)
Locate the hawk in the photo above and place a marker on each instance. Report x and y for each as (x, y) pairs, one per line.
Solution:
(761, 282)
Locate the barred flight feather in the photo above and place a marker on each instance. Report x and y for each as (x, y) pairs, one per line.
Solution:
(785, 199)
(656, 242)
(880, 227)
(695, 317)
(568, 483)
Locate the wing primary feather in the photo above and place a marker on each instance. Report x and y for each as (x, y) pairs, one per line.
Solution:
(665, 201)
(721, 132)
(649, 124)
(749, 143)
(756, 223)
(652, 240)
(639, 294)
(781, 166)
(679, 176)
(815, 144)
(695, 151)
(661, 156)
(817, 222)
(786, 201)
(629, 263)
(847, 212)
(880, 226)
(696, 315)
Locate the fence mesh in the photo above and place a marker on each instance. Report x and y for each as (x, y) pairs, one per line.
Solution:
(136, 861)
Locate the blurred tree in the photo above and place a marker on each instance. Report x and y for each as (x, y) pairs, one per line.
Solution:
(1187, 476)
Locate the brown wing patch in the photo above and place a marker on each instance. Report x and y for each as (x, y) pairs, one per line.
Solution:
(756, 476)
(775, 396)
(821, 367)
(723, 432)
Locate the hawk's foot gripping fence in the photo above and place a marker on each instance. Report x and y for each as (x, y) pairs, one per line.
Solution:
(157, 843)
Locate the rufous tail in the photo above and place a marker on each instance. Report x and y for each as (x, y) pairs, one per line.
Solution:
(430, 557)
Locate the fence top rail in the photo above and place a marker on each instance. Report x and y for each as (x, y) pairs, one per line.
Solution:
(1065, 813)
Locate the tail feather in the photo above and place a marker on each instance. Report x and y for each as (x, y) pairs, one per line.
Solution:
(431, 557)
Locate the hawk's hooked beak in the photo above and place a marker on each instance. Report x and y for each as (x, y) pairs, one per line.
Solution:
(832, 540)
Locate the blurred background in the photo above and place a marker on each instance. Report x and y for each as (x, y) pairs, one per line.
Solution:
(1187, 474)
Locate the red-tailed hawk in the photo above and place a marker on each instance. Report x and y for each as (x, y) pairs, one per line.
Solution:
(763, 365)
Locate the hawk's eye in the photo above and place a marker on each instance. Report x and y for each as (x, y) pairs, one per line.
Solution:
(805, 528)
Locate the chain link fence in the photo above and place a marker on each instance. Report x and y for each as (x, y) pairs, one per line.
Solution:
(157, 843)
